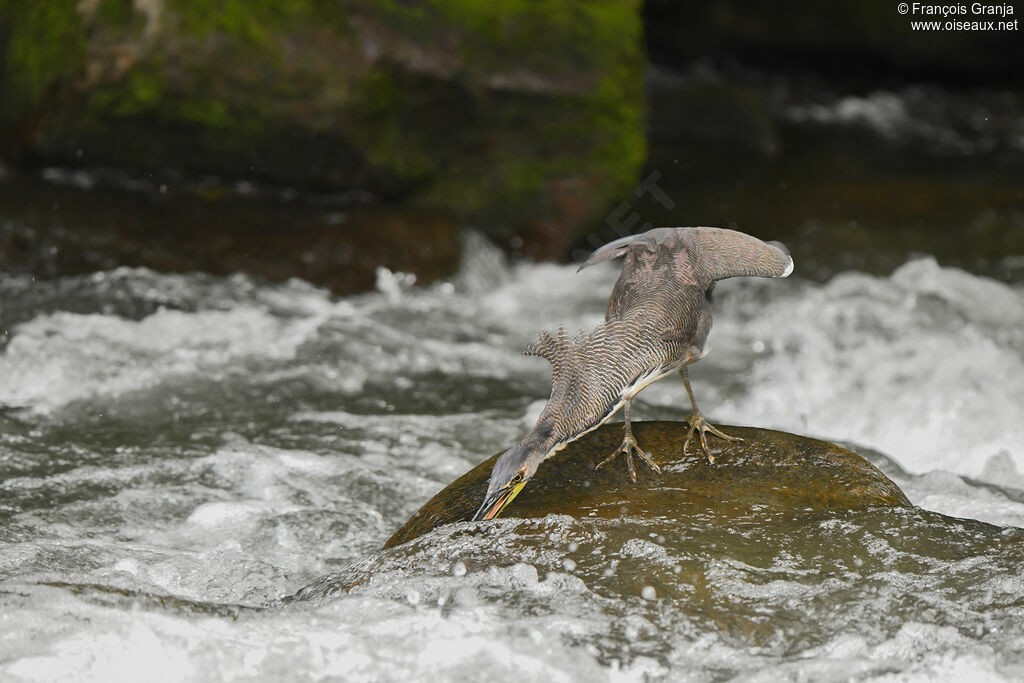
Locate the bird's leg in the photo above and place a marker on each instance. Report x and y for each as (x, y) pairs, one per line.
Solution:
(699, 425)
(630, 447)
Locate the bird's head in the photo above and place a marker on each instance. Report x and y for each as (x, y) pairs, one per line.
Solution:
(514, 468)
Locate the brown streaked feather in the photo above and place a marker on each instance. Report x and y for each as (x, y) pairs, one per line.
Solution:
(591, 372)
(617, 248)
(723, 253)
(658, 319)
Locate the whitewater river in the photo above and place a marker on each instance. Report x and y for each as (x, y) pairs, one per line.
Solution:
(179, 453)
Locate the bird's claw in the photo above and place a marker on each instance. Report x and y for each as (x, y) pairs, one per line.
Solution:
(699, 425)
(630, 448)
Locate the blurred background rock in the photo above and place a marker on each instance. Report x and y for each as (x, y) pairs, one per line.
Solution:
(321, 139)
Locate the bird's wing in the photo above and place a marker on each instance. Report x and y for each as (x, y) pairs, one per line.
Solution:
(617, 248)
(723, 253)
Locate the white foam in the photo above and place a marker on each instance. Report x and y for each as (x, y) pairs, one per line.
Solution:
(358, 639)
(244, 521)
(62, 357)
(925, 365)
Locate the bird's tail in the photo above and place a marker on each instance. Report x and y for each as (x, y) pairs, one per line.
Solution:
(560, 351)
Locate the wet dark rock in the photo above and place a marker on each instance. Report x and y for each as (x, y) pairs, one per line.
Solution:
(769, 471)
(50, 231)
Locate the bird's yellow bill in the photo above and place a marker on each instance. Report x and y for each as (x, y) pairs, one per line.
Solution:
(503, 501)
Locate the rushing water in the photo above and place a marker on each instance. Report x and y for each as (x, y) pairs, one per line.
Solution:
(180, 452)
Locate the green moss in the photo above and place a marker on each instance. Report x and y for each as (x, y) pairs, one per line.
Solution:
(412, 127)
(532, 141)
(116, 12)
(252, 29)
(256, 22)
(527, 94)
(493, 33)
(205, 112)
(43, 44)
(140, 91)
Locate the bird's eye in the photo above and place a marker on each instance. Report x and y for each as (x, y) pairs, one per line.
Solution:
(516, 479)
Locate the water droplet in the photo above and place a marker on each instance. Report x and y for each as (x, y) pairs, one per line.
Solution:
(660, 539)
(568, 564)
(857, 562)
(573, 546)
(648, 593)
(459, 569)
(413, 596)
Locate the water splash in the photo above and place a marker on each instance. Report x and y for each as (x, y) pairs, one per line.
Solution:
(188, 449)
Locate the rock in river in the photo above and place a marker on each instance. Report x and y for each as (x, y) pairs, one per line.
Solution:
(519, 116)
(767, 471)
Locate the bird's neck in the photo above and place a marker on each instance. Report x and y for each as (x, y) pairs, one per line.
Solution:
(542, 437)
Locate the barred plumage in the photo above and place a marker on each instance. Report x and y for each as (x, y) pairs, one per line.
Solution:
(593, 374)
(658, 320)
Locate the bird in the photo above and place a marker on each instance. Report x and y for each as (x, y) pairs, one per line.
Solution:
(657, 323)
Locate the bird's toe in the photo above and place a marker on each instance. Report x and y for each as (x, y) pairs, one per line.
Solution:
(700, 427)
(647, 459)
(629, 448)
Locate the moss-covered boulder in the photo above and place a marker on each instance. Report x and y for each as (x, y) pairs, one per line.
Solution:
(767, 471)
(512, 115)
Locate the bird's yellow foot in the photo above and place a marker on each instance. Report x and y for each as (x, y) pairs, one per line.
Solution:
(699, 425)
(630, 448)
